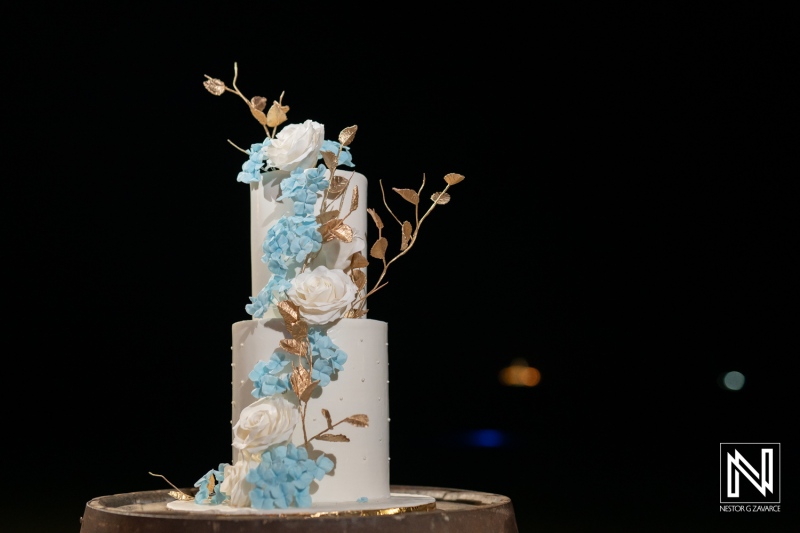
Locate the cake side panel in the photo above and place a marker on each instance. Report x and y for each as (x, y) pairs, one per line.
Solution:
(362, 464)
(361, 388)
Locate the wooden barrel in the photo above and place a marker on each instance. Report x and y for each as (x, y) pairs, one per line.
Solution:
(456, 511)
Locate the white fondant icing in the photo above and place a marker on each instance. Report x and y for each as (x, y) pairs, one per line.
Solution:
(361, 465)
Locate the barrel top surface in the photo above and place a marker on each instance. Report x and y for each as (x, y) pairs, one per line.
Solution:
(456, 510)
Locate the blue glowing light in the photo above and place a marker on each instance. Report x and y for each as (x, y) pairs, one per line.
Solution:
(486, 438)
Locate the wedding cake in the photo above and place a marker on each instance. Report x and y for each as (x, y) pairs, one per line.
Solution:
(310, 376)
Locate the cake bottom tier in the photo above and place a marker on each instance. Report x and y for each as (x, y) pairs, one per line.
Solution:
(361, 464)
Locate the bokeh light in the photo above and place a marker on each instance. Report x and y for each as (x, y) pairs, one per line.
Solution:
(733, 380)
(520, 374)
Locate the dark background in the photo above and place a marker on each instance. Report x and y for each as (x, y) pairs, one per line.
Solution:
(626, 226)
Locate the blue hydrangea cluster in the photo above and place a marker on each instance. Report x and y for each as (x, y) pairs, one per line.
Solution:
(284, 476)
(257, 157)
(269, 377)
(216, 497)
(292, 238)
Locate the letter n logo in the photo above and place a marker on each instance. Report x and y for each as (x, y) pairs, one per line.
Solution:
(750, 472)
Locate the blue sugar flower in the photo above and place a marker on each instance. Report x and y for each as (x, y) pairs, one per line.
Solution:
(264, 378)
(304, 202)
(322, 346)
(315, 177)
(284, 476)
(251, 169)
(258, 305)
(217, 497)
(322, 371)
(332, 146)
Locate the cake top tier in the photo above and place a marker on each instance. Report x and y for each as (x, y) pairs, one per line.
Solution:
(309, 217)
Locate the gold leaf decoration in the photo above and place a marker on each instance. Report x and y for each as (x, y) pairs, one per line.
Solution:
(295, 346)
(299, 329)
(260, 116)
(452, 179)
(327, 216)
(180, 496)
(327, 229)
(355, 313)
(337, 187)
(354, 200)
(347, 135)
(359, 278)
(375, 218)
(214, 86)
(289, 311)
(330, 160)
(301, 382)
(277, 113)
(327, 416)
(406, 235)
(361, 421)
(333, 438)
(259, 102)
(378, 250)
(358, 261)
(343, 232)
(408, 194)
(440, 198)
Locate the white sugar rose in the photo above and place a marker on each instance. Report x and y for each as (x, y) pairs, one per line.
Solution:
(265, 422)
(296, 145)
(235, 486)
(322, 295)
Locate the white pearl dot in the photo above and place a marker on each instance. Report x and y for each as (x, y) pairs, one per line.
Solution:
(362, 380)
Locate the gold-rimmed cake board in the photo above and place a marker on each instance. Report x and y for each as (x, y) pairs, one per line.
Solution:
(409, 508)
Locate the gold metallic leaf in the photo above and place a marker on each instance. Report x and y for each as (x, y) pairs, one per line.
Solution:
(289, 311)
(408, 194)
(359, 278)
(338, 186)
(440, 198)
(295, 346)
(378, 250)
(301, 382)
(327, 229)
(277, 113)
(452, 179)
(298, 330)
(406, 235)
(358, 261)
(331, 161)
(180, 496)
(343, 232)
(327, 416)
(354, 200)
(355, 313)
(375, 218)
(333, 438)
(260, 116)
(214, 86)
(361, 421)
(347, 135)
(259, 102)
(327, 216)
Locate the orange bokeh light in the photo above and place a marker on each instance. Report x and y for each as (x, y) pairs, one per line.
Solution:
(519, 374)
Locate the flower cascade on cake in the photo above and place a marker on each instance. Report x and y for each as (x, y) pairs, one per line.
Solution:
(317, 276)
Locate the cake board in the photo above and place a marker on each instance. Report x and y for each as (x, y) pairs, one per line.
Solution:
(448, 511)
